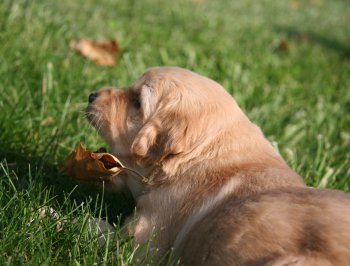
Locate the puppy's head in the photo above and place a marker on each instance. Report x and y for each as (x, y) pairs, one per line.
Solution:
(167, 112)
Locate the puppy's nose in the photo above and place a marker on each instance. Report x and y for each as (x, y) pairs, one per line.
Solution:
(93, 95)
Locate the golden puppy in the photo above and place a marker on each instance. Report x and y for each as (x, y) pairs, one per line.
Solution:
(217, 192)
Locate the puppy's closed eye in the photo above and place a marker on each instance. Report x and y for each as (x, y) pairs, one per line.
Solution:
(135, 100)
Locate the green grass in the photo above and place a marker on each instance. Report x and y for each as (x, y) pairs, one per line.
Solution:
(299, 97)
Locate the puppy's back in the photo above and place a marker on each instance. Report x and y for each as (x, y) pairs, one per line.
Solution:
(299, 226)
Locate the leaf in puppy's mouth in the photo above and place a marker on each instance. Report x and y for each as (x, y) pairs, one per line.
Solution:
(86, 165)
(108, 160)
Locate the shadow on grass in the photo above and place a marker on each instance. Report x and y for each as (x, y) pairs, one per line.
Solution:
(312, 37)
(115, 205)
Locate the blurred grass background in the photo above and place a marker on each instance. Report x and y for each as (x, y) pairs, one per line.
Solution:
(285, 62)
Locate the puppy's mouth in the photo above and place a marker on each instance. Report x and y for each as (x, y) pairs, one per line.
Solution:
(89, 114)
(92, 116)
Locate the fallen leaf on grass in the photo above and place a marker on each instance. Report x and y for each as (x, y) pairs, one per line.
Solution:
(48, 121)
(283, 46)
(86, 165)
(295, 4)
(302, 37)
(101, 52)
(315, 2)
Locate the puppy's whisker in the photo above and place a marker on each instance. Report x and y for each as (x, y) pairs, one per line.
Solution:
(82, 113)
(98, 122)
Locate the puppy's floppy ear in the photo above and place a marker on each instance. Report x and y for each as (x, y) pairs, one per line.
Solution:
(169, 128)
(147, 100)
(144, 145)
(159, 138)
(147, 136)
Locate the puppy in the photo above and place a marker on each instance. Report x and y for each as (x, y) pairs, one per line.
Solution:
(217, 193)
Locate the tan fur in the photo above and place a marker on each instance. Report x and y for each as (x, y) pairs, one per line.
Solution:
(218, 193)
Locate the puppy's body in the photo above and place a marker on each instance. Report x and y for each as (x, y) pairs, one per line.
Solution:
(280, 227)
(217, 192)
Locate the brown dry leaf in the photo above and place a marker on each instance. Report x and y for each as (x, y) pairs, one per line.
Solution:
(302, 37)
(101, 52)
(315, 2)
(48, 121)
(86, 165)
(283, 46)
(295, 4)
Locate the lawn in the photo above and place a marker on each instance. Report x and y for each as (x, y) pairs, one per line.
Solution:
(287, 63)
